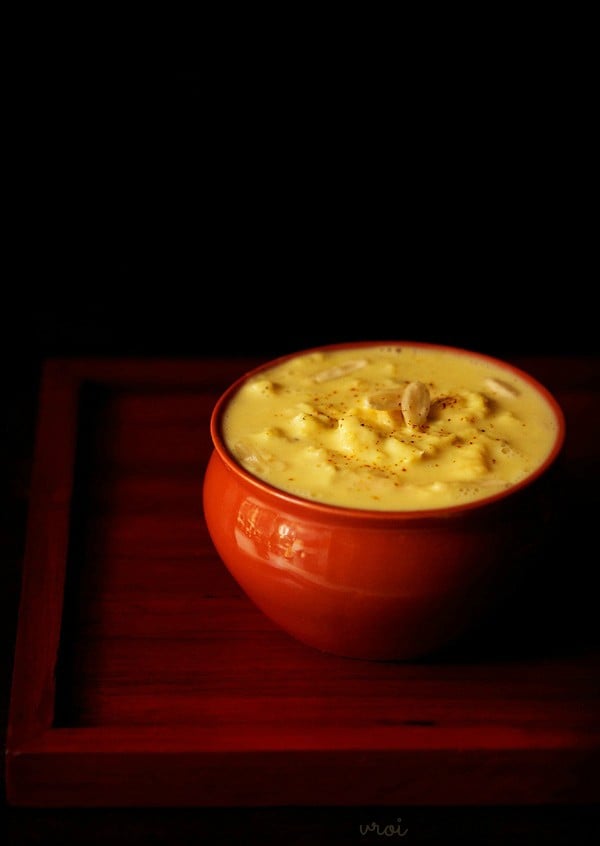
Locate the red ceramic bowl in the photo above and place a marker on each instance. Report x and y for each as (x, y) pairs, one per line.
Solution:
(377, 585)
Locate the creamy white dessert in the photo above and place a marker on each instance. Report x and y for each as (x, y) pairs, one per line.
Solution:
(390, 427)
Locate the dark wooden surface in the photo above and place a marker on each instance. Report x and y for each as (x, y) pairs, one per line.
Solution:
(142, 650)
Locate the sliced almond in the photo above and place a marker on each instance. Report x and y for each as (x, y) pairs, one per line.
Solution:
(385, 400)
(416, 403)
(253, 459)
(502, 389)
(339, 370)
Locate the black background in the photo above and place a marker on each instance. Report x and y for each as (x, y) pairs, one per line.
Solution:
(265, 206)
(242, 210)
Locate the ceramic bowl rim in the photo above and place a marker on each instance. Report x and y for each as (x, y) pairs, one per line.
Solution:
(324, 510)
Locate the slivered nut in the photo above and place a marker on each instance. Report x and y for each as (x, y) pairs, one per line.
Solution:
(502, 389)
(416, 403)
(251, 459)
(255, 460)
(339, 370)
(385, 400)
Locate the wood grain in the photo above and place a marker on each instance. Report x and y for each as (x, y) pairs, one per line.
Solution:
(143, 675)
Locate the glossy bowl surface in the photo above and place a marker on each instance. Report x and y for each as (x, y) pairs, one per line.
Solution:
(376, 585)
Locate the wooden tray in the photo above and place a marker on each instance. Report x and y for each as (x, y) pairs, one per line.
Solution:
(143, 676)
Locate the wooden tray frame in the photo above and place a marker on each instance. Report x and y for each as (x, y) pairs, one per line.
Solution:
(192, 765)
